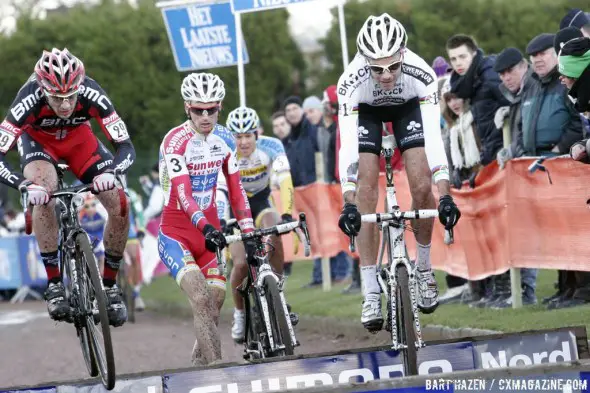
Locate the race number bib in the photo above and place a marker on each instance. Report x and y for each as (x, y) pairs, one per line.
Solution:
(6, 141)
(118, 131)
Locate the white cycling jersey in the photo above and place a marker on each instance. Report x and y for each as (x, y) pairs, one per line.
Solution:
(356, 86)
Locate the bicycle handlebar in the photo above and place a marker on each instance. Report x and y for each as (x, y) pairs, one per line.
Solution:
(399, 216)
(81, 188)
(279, 229)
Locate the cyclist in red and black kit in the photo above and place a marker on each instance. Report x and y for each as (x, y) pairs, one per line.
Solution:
(51, 115)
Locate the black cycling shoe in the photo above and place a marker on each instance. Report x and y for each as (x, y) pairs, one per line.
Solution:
(116, 310)
(57, 304)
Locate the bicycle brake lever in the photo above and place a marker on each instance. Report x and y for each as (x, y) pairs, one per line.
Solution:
(449, 237)
(352, 246)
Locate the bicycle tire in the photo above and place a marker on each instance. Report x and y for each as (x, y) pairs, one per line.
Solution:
(253, 332)
(79, 323)
(405, 322)
(104, 357)
(278, 319)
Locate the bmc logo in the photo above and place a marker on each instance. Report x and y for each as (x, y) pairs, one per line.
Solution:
(95, 96)
(19, 110)
(55, 122)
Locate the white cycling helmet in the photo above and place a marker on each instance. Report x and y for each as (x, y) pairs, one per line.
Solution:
(381, 36)
(202, 87)
(243, 120)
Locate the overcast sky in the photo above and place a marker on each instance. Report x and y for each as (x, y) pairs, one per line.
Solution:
(309, 20)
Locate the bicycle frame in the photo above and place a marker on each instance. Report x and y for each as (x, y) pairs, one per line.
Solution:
(259, 269)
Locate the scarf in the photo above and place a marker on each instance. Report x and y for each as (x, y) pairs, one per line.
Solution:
(464, 150)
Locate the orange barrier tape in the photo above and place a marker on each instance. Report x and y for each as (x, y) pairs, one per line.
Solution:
(511, 219)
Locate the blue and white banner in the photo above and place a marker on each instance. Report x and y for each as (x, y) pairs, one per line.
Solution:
(203, 36)
(260, 5)
(10, 275)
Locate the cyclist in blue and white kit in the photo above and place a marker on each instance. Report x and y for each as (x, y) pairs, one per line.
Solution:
(387, 82)
(93, 218)
(258, 157)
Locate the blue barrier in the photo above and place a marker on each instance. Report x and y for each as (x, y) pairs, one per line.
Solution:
(21, 266)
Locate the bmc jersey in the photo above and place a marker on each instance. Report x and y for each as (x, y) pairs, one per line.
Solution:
(190, 163)
(416, 81)
(267, 159)
(31, 113)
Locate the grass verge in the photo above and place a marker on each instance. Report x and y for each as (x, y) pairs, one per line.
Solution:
(164, 294)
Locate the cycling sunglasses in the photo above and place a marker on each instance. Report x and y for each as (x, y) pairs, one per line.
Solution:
(205, 111)
(391, 68)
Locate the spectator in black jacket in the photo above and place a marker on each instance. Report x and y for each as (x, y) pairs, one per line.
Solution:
(301, 144)
(474, 79)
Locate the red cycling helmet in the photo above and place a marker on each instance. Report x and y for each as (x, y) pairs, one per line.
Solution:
(59, 72)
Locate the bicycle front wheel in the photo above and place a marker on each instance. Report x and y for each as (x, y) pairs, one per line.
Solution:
(405, 321)
(99, 336)
(80, 305)
(278, 318)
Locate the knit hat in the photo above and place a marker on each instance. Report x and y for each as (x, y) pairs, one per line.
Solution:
(576, 18)
(330, 94)
(312, 102)
(574, 57)
(292, 100)
(564, 35)
(440, 66)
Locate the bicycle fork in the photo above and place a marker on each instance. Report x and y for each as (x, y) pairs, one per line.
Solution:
(389, 288)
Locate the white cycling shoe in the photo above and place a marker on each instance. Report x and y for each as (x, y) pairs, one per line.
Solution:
(371, 316)
(427, 291)
(238, 327)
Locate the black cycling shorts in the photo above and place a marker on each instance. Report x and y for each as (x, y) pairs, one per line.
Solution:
(406, 120)
(86, 156)
(259, 203)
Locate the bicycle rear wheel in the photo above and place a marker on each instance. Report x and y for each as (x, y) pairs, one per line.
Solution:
(405, 321)
(278, 318)
(100, 338)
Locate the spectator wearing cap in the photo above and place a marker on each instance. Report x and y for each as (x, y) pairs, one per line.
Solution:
(578, 19)
(515, 73)
(301, 144)
(474, 79)
(550, 123)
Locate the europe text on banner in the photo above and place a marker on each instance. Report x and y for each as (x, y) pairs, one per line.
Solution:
(202, 36)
